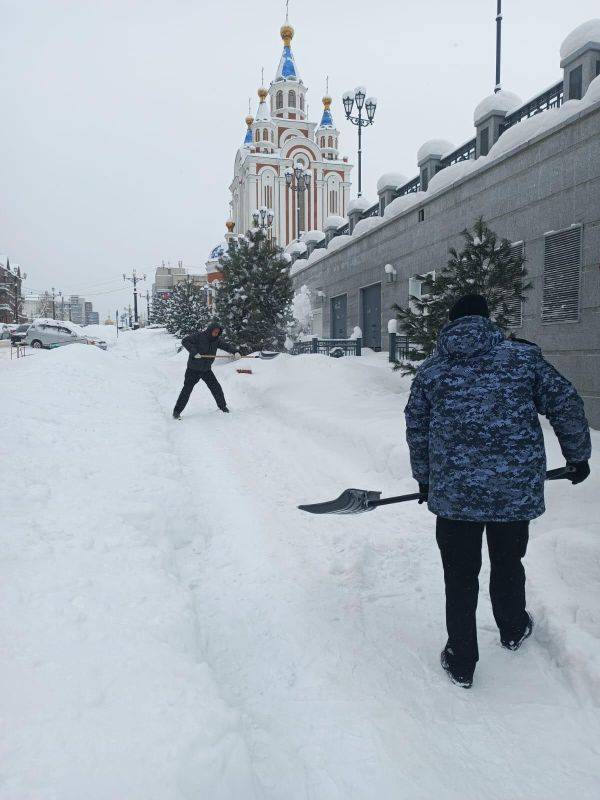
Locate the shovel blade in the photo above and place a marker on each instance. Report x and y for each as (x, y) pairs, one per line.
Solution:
(351, 501)
(266, 356)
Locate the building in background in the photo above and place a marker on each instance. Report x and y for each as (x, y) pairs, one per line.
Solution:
(532, 170)
(278, 137)
(167, 278)
(11, 300)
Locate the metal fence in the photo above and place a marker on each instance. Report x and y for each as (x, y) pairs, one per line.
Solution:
(399, 347)
(349, 347)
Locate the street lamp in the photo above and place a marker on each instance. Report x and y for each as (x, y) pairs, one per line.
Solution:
(359, 96)
(298, 180)
(263, 218)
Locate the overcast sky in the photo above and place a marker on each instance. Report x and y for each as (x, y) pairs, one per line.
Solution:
(121, 118)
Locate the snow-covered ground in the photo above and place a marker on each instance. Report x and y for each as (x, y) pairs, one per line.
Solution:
(174, 629)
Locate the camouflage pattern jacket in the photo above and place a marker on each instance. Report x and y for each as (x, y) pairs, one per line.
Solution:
(472, 424)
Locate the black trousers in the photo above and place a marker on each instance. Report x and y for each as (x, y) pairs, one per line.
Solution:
(460, 546)
(192, 377)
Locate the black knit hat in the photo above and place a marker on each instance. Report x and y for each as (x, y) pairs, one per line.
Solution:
(469, 305)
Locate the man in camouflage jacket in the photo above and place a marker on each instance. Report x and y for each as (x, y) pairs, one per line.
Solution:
(477, 452)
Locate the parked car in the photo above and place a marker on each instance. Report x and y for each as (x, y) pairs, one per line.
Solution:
(17, 332)
(51, 333)
(4, 331)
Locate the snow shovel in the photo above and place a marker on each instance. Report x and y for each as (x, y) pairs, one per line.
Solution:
(357, 501)
(265, 355)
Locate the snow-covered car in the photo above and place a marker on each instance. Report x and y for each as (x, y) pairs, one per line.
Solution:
(51, 333)
(4, 331)
(17, 332)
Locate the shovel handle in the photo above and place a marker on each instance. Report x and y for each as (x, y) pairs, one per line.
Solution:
(551, 475)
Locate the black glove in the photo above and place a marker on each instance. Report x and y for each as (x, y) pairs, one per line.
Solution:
(579, 470)
(424, 490)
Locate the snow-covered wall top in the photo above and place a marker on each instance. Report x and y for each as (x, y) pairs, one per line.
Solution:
(400, 204)
(312, 236)
(364, 225)
(359, 204)
(391, 180)
(586, 33)
(434, 148)
(334, 221)
(501, 102)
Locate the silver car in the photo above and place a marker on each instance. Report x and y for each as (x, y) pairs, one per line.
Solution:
(51, 333)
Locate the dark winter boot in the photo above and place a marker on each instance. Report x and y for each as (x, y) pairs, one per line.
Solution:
(176, 415)
(462, 677)
(225, 410)
(514, 644)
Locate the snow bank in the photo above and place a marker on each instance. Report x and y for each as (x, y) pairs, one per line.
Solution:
(454, 173)
(400, 204)
(586, 33)
(175, 628)
(338, 241)
(523, 131)
(366, 225)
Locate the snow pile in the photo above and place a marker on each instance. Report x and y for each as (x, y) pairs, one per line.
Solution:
(434, 148)
(356, 333)
(584, 34)
(296, 248)
(312, 236)
(174, 628)
(454, 173)
(366, 225)
(359, 204)
(334, 221)
(501, 102)
(391, 180)
(338, 241)
(392, 326)
(523, 131)
(401, 204)
(592, 95)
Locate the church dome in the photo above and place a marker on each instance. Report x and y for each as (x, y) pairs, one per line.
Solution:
(217, 251)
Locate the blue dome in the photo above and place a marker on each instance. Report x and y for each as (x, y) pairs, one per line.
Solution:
(248, 139)
(216, 252)
(326, 119)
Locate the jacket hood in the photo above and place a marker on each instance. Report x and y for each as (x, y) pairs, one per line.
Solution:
(468, 337)
(213, 327)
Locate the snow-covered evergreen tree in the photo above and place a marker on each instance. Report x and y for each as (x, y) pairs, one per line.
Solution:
(485, 265)
(158, 310)
(255, 295)
(186, 310)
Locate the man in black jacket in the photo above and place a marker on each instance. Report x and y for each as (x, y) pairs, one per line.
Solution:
(202, 347)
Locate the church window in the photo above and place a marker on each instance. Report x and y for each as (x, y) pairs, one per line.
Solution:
(265, 135)
(292, 99)
(333, 202)
(279, 100)
(256, 135)
(330, 141)
(302, 102)
(322, 141)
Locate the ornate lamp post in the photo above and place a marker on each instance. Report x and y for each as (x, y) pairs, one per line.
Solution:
(369, 104)
(298, 180)
(263, 218)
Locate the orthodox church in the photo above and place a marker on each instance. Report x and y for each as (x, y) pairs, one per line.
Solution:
(278, 138)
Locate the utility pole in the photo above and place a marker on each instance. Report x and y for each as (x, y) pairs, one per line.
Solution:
(147, 307)
(129, 316)
(62, 305)
(135, 279)
(53, 304)
(117, 321)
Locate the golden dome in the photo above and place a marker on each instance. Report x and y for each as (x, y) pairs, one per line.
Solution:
(249, 120)
(327, 101)
(262, 93)
(230, 225)
(287, 34)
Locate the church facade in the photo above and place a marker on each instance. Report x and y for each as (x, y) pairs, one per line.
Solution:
(278, 138)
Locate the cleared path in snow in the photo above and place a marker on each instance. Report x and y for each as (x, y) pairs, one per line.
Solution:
(176, 629)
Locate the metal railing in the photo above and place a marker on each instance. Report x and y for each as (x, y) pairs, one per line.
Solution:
(350, 347)
(551, 98)
(399, 347)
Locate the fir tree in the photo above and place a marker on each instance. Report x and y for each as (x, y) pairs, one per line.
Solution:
(255, 294)
(186, 310)
(485, 265)
(158, 310)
